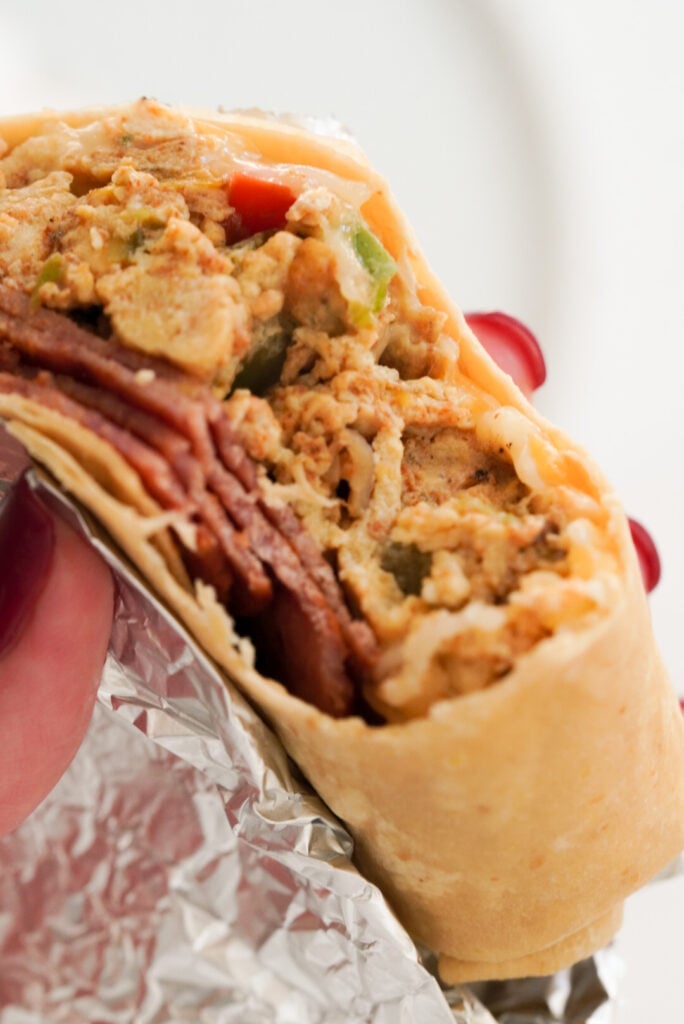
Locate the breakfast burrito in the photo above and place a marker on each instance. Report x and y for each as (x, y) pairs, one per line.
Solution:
(218, 333)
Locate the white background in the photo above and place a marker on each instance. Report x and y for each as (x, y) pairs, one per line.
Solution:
(538, 148)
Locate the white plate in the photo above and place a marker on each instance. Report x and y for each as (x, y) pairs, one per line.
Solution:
(538, 148)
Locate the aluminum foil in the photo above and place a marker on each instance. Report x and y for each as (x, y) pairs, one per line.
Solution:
(183, 871)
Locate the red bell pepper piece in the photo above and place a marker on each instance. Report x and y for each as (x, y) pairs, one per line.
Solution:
(259, 205)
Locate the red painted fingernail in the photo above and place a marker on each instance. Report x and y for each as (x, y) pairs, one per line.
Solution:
(27, 542)
(512, 346)
(649, 560)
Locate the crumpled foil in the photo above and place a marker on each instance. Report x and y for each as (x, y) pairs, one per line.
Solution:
(183, 871)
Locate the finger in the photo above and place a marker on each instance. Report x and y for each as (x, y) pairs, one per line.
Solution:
(51, 664)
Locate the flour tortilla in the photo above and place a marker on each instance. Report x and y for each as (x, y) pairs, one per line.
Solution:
(506, 827)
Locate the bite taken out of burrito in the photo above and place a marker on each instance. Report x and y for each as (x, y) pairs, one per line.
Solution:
(218, 333)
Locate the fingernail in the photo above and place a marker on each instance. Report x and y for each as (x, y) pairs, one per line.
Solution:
(512, 346)
(649, 560)
(27, 542)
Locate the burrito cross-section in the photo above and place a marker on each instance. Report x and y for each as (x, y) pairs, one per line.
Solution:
(218, 333)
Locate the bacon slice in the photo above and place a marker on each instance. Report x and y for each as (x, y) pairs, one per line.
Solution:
(252, 586)
(53, 341)
(299, 609)
(177, 436)
(357, 634)
(154, 471)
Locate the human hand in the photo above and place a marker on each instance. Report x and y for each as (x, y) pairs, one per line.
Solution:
(56, 602)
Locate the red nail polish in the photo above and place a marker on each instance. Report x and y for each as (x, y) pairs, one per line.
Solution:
(27, 542)
(649, 559)
(512, 346)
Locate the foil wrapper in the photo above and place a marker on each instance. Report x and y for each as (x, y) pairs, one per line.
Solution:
(183, 871)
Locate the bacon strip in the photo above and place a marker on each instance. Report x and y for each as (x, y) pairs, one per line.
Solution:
(357, 634)
(173, 451)
(53, 341)
(206, 560)
(300, 607)
(153, 470)
(179, 439)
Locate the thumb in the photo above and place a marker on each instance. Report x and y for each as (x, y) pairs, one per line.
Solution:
(56, 600)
